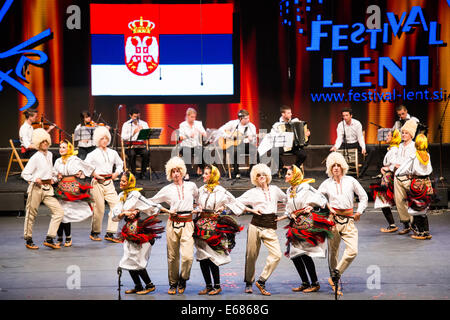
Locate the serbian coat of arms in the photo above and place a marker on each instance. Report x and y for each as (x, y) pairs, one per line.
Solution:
(141, 47)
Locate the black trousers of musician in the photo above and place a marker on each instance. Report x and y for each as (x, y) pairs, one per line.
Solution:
(304, 263)
(193, 158)
(132, 154)
(83, 151)
(209, 268)
(300, 156)
(238, 155)
(370, 151)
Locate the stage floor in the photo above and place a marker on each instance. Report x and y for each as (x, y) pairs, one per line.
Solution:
(388, 266)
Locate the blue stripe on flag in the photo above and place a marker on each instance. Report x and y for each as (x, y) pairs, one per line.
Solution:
(173, 49)
(108, 48)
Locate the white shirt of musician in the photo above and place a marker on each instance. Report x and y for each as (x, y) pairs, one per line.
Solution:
(186, 131)
(84, 136)
(353, 133)
(25, 134)
(277, 125)
(72, 166)
(180, 198)
(404, 153)
(266, 201)
(305, 196)
(398, 124)
(341, 195)
(40, 166)
(248, 131)
(103, 161)
(129, 127)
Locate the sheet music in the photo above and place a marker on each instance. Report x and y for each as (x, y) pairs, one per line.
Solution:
(277, 140)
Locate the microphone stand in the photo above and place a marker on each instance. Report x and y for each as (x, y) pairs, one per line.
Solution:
(119, 272)
(345, 142)
(379, 144)
(59, 129)
(177, 138)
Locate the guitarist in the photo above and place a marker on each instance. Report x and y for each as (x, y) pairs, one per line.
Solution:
(239, 138)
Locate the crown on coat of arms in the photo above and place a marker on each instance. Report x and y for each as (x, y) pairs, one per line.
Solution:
(141, 26)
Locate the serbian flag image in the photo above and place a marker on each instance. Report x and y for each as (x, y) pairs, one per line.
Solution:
(161, 49)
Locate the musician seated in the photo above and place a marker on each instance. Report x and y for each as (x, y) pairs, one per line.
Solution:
(191, 133)
(285, 124)
(350, 136)
(134, 147)
(26, 131)
(404, 116)
(83, 134)
(242, 133)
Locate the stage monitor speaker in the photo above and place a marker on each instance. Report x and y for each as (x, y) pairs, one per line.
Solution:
(441, 200)
(12, 201)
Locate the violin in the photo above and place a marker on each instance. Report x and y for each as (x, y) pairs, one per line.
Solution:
(91, 124)
(94, 124)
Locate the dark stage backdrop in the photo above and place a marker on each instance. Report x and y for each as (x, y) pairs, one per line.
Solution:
(281, 62)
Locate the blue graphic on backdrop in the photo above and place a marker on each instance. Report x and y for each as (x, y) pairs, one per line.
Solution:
(26, 52)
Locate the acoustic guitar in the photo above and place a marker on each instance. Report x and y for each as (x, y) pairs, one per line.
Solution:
(235, 139)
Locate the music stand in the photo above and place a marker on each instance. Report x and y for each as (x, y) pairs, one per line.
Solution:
(147, 134)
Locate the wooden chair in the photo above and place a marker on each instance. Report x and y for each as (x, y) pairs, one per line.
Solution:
(15, 157)
(139, 160)
(352, 158)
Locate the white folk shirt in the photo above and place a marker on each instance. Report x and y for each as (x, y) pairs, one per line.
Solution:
(218, 198)
(412, 166)
(390, 159)
(180, 198)
(341, 195)
(248, 131)
(129, 127)
(73, 166)
(84, 136)
(185, 131)
(266, 201)
(39, 166)
(353, 133)
(305, 196)
(103, 161)
(277, 125)
(135, 200)
(25, 134)
(404, 153)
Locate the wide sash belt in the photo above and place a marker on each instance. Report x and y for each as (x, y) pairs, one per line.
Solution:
(182, 216)
(265, 220)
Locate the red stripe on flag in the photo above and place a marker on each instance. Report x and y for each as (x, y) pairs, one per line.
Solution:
(169, 18)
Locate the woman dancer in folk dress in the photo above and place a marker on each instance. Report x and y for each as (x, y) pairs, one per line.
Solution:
(214, 233)
(308, 229)
(383, 192)
(417, 169)
(138, 233)
(73, 196)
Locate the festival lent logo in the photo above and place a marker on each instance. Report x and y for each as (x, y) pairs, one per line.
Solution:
(141, 48)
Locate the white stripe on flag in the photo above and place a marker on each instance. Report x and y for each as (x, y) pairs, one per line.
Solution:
(117, 80)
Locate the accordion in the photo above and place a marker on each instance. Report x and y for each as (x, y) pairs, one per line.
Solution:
(299, 128)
